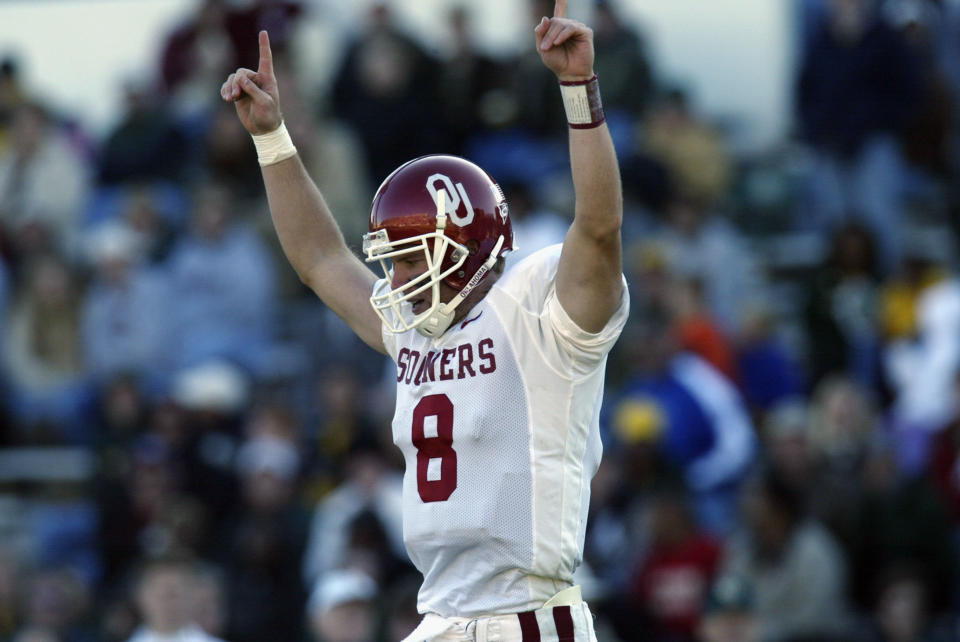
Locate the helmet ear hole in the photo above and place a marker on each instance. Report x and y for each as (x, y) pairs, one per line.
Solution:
(473, 246)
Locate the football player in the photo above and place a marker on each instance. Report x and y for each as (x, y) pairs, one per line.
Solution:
(499, 373)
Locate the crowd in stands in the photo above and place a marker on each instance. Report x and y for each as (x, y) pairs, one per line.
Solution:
(191, 443)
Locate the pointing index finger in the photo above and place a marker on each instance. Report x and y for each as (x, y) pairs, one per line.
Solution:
(266, 55)
(560, 9)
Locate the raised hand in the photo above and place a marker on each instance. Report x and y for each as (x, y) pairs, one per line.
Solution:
(254, 93)
(564, 45)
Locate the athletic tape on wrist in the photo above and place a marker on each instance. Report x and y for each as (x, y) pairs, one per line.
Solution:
(274, 146)
(581, 101)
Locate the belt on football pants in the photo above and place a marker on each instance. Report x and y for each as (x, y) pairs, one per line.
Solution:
(556, 622)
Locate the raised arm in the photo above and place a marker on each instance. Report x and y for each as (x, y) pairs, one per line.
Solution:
(589, 281)
(308, 233)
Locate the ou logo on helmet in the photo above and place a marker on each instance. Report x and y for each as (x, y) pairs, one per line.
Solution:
(453, 199)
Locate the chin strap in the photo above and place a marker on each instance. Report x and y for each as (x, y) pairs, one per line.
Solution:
(438, 322)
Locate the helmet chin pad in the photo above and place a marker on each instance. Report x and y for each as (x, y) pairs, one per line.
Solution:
(436, 322)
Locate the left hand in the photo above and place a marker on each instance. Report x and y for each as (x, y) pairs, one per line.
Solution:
(564, 45)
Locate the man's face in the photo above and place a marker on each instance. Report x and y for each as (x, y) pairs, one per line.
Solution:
(407, 268)
(164, 598)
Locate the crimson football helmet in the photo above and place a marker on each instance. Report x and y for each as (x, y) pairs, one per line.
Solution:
(453, 212)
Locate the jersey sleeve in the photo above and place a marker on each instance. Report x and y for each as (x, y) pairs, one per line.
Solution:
(531, 285)
(588, 348)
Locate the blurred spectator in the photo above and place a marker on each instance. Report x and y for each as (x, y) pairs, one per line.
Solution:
(131, 511)
(694, 413)
(786, 441)
(768, 371)
(532, 94)
(152, 221)
(539, 112)
(621, 61)
(843, 422)
(228, 156)
(534, 226)
(341, 607)
(224, 283)
(279, 17)
(729, 614)
(146, 145)
(332, 152)
(61, 524)
(921, 371)
(264, 539)
(125, 312)
(175, 486)
(120, 416)
(842, 311)
(340, 419)
(272, 420)
(57, 600)
(369, 497)
(672, 581)
(920, 316)
(857, 87)
(211, 400)
(164, 597)
(470, 83)
(902, 611)
(196, 56)
(901, 519)
(818, 451)
(696, 330)
(925, 263)
(701, 246)
(529, 144)
(795, 566)
(927, 136)
(43, 183)
(385, 90)
(693, 153)
(621, 492)
(42, 358)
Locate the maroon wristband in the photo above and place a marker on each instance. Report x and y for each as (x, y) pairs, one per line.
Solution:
(581, 100)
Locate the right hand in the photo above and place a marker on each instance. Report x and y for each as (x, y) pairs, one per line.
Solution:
(564, 45)
(254, 93)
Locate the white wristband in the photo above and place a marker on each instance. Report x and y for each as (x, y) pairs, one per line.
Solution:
(274, 146)
(581, 101)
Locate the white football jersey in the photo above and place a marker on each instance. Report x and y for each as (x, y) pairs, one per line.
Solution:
(498, 422)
